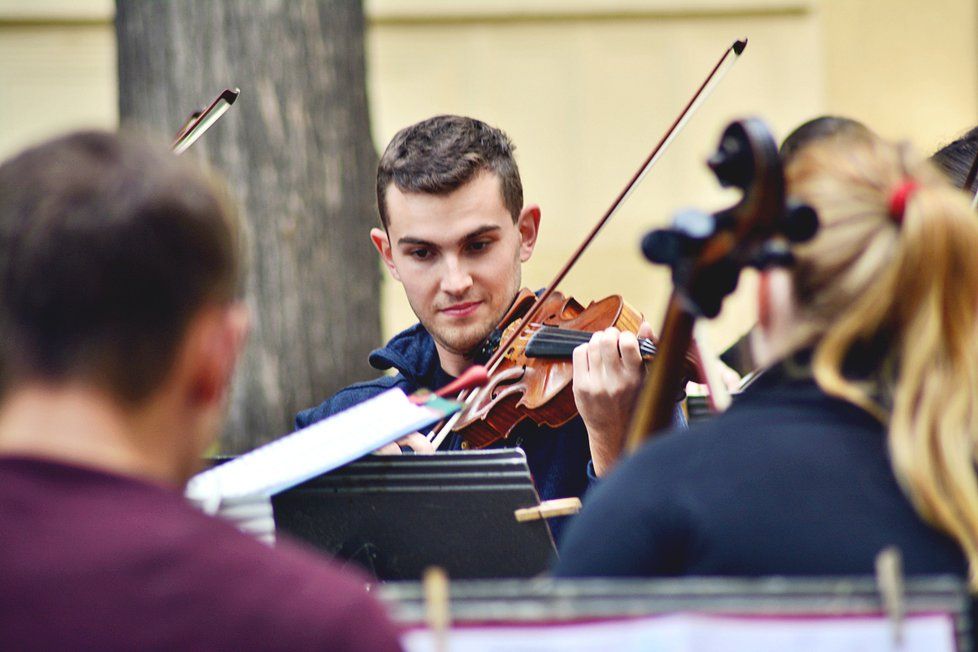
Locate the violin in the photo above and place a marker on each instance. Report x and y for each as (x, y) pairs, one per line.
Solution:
(534, 379)
(707, 252)
(529, 365)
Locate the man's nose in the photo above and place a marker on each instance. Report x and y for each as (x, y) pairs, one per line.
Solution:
(456, 279)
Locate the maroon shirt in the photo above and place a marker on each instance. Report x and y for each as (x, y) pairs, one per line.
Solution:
(92, 560)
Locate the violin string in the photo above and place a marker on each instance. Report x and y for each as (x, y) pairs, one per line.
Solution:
(577, 341)
(646, 348)
(555, 335)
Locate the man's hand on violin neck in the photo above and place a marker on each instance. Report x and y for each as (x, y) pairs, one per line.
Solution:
(608, 373)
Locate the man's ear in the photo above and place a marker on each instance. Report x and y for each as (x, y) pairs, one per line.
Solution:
(382, 243)
(217, 338)
(528, 224)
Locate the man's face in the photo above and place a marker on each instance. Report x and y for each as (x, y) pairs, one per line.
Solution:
(458, 257)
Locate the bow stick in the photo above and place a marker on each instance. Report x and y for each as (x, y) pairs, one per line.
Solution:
(719, 71)
(201, 121)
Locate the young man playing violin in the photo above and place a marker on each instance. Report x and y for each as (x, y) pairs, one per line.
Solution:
(455, 234)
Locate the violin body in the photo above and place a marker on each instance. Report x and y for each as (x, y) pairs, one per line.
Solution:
(539, 389)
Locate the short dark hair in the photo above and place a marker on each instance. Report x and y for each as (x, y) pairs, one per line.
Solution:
(816, 129)
(441, 154)
(109, 245)
(957, 157)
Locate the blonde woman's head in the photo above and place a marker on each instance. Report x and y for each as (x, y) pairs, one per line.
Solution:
(891, 280)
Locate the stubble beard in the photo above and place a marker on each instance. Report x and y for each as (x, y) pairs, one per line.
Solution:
(463, 340)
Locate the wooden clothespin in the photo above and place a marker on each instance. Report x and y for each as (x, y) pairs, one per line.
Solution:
(549, 509)
(438, 613)
(889, 581)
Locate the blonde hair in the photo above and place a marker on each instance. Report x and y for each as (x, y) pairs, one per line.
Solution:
(905, 289)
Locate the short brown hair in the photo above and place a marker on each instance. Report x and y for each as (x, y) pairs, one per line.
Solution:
(818, 129)
(108, 247)
(956, 159)
(443, 153)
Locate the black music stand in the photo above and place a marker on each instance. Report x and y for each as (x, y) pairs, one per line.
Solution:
(397, 515)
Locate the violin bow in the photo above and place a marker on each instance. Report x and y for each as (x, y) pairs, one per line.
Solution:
(201, 121)
(719, 71)
(716, 75)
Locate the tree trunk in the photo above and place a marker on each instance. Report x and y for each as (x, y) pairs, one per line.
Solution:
(297, 153)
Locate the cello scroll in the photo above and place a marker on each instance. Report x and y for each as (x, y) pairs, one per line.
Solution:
(707, 252)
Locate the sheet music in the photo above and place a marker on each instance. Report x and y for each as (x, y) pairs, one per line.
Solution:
(321, 447)
(701, 633)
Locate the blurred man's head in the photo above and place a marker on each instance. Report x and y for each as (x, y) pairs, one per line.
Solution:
(115, 257)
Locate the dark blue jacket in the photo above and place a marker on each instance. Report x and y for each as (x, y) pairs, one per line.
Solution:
(559, 458)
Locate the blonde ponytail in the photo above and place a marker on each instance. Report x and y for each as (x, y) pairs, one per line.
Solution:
(904, 286)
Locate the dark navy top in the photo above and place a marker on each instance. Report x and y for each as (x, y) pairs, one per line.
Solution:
(790, 481)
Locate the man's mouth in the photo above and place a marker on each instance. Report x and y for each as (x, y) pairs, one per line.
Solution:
(460, 310)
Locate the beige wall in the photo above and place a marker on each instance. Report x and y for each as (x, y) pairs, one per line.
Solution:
(584, 87)
(57, 68)
(585, 95)
(908, 68)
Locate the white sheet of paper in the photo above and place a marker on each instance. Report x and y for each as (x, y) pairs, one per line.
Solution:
(321, 447)
(701, 633)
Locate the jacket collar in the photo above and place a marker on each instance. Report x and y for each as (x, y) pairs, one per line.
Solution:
(412, 352)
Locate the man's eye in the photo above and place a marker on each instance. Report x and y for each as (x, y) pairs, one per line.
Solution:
(479, 245)
(420, 254)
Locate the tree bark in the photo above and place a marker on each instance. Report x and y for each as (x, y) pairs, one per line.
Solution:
(297, 154)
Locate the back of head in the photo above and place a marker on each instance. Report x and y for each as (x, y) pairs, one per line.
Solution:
(441, 154)
(956, 159)
(817, 129)
(888, 293)
(108, 247)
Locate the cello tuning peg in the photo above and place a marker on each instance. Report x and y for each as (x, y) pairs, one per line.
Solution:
(800, 222)
(694, 224)
(690, 228)
(661, 246)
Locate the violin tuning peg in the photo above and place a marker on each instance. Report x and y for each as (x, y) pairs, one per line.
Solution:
(485, 349)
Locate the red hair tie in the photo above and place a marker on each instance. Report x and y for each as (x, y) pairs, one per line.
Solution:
(898, 199)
